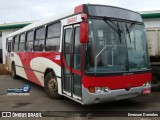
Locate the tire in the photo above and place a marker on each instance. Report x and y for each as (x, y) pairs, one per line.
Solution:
(155, 80)
(14, 75)
(51, 86)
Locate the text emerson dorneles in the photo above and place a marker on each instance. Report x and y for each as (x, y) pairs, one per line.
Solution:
(142, 114)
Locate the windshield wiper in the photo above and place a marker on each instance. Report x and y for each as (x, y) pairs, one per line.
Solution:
(128, 32)
(114, 27)
(131, 26)
(129, 29)
(119, 32)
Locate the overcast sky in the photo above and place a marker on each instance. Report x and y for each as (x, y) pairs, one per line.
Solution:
(29, 10)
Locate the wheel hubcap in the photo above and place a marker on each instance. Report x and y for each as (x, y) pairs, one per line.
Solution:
(52, 85)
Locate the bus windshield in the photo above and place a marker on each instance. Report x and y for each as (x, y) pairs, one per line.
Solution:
(116, 46)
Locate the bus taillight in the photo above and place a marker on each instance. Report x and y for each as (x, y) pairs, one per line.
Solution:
(91, 89)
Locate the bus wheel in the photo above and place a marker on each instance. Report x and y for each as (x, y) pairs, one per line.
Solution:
(155, 80)
(14, 75)
(51, 86)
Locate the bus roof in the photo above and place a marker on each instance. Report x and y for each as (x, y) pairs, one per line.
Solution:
(41, 23)
(77, 9)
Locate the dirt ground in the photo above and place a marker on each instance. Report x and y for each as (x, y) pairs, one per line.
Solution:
(3, 70)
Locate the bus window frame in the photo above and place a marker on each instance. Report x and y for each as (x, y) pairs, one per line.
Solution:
(35, 31)
(52, 24)
(24, 33)
(16, 43)
(32, 30)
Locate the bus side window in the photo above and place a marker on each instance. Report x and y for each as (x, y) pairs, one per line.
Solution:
(7, 44)
(53, 37)
(16, 42)
(39, 41)
(12, 44)
(9, 47)
(22, 42)
(29, 41)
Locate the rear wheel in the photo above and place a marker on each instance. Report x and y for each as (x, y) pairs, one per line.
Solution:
(51, 86)
(14, 75)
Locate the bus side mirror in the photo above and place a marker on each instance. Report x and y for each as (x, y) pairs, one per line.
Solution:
(84, 32)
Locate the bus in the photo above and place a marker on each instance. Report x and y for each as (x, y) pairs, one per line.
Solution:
(91, 54)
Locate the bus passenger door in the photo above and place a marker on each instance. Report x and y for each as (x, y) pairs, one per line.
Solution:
(72, 62)
(67, 60)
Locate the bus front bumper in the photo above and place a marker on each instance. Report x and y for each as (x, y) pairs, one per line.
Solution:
(112, 95)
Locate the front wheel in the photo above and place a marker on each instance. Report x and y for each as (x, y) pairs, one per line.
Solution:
(51, 86)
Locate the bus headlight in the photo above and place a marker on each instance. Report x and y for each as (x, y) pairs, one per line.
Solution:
(106, 89)
(101, 90)
(98, 89)
(146, 84)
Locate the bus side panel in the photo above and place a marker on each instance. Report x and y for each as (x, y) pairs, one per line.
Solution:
(19, 65)
(32, 65)
(25, 59)
(42, 61)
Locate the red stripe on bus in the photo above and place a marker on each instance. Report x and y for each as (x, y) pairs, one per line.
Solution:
(76, 71)
(29, 73)
(116, 82)
(26, 58)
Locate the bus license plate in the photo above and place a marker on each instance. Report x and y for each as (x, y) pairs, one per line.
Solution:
(146, 91)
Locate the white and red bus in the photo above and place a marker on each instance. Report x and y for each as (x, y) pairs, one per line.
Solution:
(92, 54)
